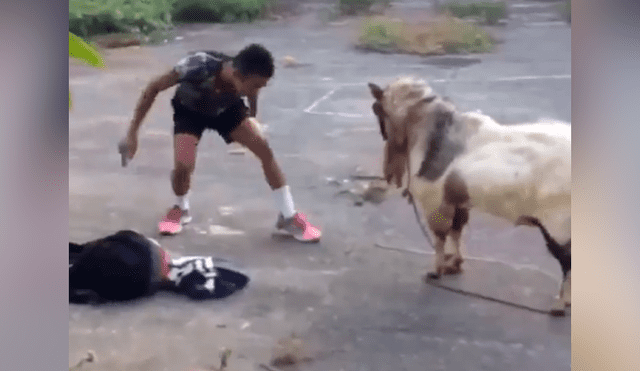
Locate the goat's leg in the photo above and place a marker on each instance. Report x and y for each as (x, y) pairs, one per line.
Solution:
(566, 290)
(450, 217)
(558, 306)
(564, 297)
(460, 219)
(440, 267)
(440, 222)
(454, 262)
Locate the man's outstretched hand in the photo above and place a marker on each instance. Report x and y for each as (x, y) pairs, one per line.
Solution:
(127, 148)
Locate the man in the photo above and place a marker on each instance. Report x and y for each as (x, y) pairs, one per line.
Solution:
(209, 96)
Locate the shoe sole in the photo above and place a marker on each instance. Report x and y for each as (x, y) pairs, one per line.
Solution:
(285, 233)
(165, 232)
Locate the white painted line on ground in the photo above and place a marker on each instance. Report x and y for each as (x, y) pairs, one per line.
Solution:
(311, 108)
(546, 24)
(532, 5)
(218, 230)
(341, 114)
(534, 77)
(318, 101)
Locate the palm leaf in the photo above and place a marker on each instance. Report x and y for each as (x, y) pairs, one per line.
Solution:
(79, 49)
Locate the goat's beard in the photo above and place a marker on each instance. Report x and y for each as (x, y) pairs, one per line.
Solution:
(395, 162)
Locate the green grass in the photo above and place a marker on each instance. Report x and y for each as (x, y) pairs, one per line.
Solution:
(354, 7)
(95, 17)
(489, 12)
(565, 10)
(444, 35)
(226, 11)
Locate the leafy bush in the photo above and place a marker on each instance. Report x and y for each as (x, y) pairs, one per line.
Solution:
(94, 17)
(492, 12)
(382, 33)
(445, 35)
(353, 7)
(218, 10)
(565, 10)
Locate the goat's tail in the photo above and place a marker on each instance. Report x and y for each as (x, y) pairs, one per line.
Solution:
(562, 253)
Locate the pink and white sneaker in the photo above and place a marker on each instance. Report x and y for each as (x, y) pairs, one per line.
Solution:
(298, 227)
(172, 223)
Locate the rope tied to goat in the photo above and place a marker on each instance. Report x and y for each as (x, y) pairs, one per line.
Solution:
(432, 282)
(407, 193)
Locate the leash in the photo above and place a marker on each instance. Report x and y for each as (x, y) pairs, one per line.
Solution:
(429, 281)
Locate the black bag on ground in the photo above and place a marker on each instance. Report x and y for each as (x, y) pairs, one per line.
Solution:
(127, 265)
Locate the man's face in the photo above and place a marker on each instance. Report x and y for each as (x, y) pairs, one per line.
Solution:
(249, 85)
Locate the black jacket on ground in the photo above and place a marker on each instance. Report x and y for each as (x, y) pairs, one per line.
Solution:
(126, 265)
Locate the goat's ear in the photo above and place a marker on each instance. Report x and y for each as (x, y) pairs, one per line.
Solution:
(429, 98)
(376, 91)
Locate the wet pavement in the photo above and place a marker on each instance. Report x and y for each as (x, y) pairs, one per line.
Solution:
(356, 306)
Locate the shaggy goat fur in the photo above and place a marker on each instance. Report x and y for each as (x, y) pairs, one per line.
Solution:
(509, 170)
(506, 170)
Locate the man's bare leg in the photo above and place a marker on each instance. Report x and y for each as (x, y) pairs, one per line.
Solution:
(291, 221)
(185, 147)
(246, 135)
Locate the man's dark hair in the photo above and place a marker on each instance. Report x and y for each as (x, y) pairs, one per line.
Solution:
(255, 59)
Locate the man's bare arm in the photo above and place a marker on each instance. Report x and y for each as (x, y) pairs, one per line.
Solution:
(149, 94)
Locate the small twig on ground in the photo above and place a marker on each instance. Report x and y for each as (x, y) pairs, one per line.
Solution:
(224, 356)
(90, 358)
(268, 368)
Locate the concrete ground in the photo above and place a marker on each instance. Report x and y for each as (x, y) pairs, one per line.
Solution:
(354, 305)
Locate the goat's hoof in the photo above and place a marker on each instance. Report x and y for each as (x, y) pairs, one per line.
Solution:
(449, 270)
(432, 276)
(557, 309)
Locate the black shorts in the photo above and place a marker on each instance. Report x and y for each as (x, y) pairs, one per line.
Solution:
(187, 121)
